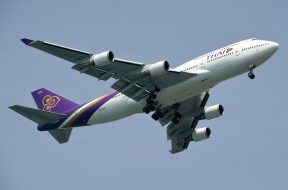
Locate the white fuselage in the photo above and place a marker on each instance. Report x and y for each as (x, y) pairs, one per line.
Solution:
(209, 69)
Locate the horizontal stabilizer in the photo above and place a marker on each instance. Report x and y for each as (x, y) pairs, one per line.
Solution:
(61, 135)
(38, 116)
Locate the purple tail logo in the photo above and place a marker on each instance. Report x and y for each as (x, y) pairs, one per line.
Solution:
(50, 102)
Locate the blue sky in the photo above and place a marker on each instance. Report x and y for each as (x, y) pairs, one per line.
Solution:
(248, 147)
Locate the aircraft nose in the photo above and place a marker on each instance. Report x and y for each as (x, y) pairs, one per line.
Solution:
(274, 46)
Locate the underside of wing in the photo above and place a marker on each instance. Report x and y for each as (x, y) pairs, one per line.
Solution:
(133, 79)
(181, 133)
(137, 87)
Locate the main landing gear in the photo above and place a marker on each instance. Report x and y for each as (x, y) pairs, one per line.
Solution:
(177, 116)
(158, 114)
(151, 107)
(251, 75)
(150, 101)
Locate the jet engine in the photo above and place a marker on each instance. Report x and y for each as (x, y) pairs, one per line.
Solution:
(200, 134)
(102, 59)
(212, 112)
(157, 69)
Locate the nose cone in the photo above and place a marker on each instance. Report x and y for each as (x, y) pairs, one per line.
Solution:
(271, 48)
(266, 50)
(274, 46)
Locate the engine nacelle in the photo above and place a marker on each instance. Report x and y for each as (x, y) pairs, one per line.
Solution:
(212, 112)
(102, 59)
(157, 69)
(200, 134)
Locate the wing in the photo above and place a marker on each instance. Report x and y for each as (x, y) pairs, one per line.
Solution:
(180, 134)
(129, 80)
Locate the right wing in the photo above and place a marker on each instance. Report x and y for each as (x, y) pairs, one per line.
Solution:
(129, 79)
(191, 110)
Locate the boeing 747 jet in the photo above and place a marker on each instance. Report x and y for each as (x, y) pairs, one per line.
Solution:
(176, 97)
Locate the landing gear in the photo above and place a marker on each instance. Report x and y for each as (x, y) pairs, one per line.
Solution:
(176, 118)
(157, 115)
(151, 105)
(150, 101)
(251, 75)
(146, 110)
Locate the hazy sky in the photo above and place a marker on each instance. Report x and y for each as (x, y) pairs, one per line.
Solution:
(248, 147)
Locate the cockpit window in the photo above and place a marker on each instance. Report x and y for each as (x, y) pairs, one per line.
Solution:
(253, 39)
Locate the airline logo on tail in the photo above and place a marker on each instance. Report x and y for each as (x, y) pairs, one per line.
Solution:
(50, 102)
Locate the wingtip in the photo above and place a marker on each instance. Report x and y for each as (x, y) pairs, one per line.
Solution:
(27, 41)
(12, 107)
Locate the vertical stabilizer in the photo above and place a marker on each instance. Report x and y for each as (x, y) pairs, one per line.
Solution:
(51, 102)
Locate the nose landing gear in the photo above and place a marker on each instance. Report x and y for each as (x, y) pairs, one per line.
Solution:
(251, 75)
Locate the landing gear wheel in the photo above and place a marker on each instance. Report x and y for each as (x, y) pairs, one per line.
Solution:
(178, 115)
(160, 114)
(157, 89)
(149, 101)
(146, 110)
(155, 116)
(152, 96)
(251, 75)
(152, 108)
(175, 120)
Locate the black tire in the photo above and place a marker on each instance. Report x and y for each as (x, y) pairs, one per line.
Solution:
(157, 89)
(175, 120)
(146, 110)
(178, 115)
(251, 75)
(149, 101)
(152, 96)
(155, 116)
(152, 108)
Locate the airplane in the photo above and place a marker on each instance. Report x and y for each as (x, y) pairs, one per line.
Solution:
(175, 97)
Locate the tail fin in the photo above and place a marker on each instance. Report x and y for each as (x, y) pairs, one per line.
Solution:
(51, 102)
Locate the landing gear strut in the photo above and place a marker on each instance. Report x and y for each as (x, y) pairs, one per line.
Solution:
(251, 75)
(150, 102)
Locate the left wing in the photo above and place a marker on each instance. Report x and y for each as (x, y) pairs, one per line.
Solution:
(181, 133)
(132, 78)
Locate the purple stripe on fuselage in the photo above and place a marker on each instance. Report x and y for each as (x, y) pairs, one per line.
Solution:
(82, 119)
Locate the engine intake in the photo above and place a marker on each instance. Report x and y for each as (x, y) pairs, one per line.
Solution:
(212, 112)
(200, 134)
(103, 58)
(157, 69)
